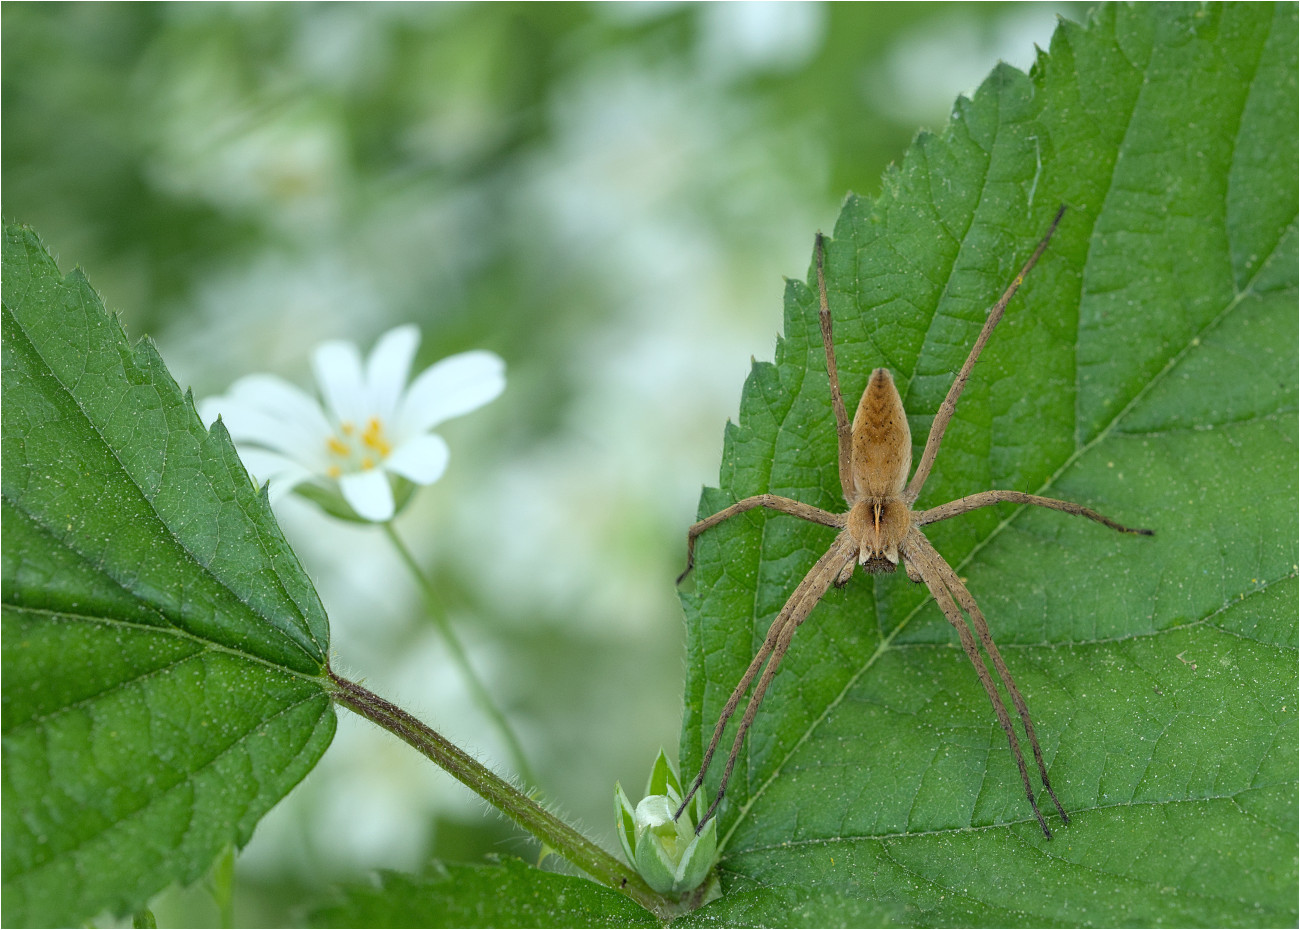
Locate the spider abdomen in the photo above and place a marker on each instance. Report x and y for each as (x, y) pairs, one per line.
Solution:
(882, 441)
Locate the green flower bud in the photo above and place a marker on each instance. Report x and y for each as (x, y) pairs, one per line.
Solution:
(667, 852)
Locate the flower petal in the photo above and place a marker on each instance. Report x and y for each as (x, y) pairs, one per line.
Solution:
(653, 811)
(423, 459)
(337, 365)
(389, 367)
(281, 473)
(289, 401)
(274, 413)
(252, 425)
(454, 386)
(368, 494)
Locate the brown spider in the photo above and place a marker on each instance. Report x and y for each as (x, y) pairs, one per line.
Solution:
(880, 529)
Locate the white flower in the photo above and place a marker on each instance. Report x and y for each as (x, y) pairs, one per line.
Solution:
(373, 430)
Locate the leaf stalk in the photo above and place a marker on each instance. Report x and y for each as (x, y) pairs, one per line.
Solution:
(502, 795)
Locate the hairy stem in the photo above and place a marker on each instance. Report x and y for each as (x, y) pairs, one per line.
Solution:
(433, 606)
(502, 795)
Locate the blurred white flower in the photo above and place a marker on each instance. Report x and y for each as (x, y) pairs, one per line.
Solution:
(355, 454)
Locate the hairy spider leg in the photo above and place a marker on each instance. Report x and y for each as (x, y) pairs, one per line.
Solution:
(949, 405)
(796, 610)
(987, 498)
(920, 553)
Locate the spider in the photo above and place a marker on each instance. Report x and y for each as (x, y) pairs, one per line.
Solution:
(880, 529)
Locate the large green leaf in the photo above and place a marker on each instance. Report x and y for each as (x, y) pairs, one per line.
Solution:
(164, 652)
(1147, 369)
(509, 893)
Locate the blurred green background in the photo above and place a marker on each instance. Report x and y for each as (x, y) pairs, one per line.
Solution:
(606, 195)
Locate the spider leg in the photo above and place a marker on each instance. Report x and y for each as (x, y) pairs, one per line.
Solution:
(772, 502)
(796, 610)
(967, 602)
(949, 405)
(919, 551)
(987, 498)
(773, 634)
(843, 431)
(751, 710)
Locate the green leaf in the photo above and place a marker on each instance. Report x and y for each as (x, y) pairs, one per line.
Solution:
(163, 650)
(505, 894)
(1146, 369)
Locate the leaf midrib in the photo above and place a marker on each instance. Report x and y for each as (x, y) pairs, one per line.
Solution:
(204, 645)
(165, 626)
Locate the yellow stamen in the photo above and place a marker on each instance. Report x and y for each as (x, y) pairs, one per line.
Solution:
(374, 437)
(367, 463)
(347, 428)
(334, 471)
(337, 446)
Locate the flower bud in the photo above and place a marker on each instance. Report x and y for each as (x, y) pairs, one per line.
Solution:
(666, 852)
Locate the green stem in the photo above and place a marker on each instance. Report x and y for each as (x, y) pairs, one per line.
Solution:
(221, 885)
(520, 808)
(437, 613)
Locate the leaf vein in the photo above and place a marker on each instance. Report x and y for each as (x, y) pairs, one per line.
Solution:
(186, 781)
